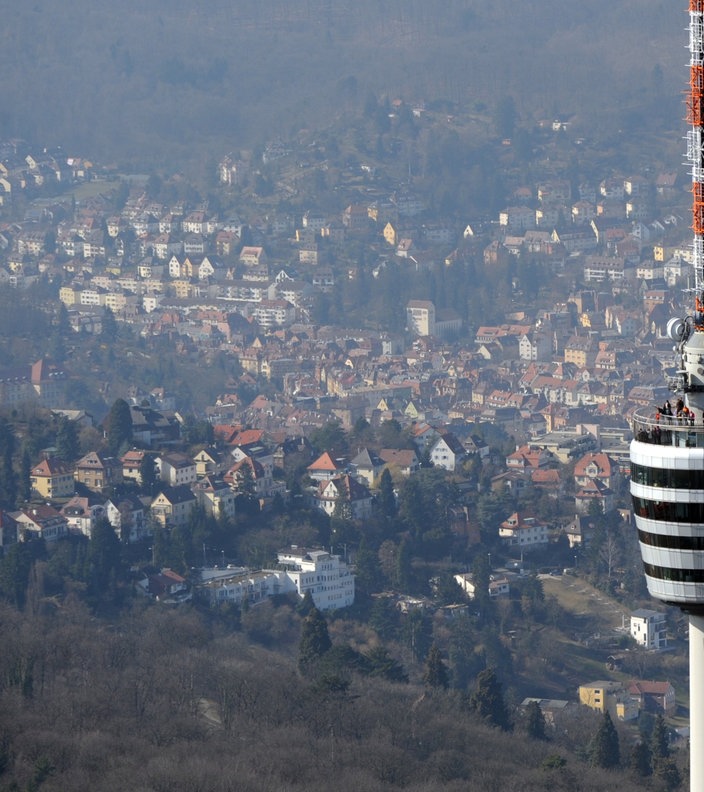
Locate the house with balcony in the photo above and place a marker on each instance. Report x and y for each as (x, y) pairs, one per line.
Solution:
(327, 577)
(524, 533)
(649, 628)
(215, 496)
(40, 522)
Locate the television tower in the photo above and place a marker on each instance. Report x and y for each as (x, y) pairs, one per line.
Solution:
(667, 452)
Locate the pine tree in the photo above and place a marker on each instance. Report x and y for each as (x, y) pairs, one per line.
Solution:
(118, 426)
(659, 741)
(109, 329)
(640, 760)
(387, 497)
(487, 700)
(25, 483)
(368, 576)
(104, 553)
(402, 576)
(604, 750)
(67, 444)
(314, 642)
(535, 721)
(381, 664)
(666, 770)
(8, 479)
(148, 475)
(435, 674)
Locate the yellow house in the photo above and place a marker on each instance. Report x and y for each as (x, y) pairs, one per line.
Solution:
(662, 252)
(52, 478)
(68, 295)
(612, 697)
(173, 506)
(390, 235)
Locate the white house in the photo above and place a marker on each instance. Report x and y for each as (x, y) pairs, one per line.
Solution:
(344, 493)
(447, 452)
(498, 585)
(524, 532)
(648, 628)
(326, 576)
(176, 469)
(126, 515)
(420, 317)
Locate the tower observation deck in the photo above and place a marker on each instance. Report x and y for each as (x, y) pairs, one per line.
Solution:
(667, 450)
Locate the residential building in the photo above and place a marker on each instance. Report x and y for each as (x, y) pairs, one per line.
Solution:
(40, 522)
(327, 577)
(52, 478)
(420, 317)
(657, 697)
(238, 585)
(612, 697)
(325, 467)
(367, 467)
(498, 585)
(522, 532)
(126, 515)
(597, 466)
(176, 469)
(98, 472)
(649, 628)
(403, 461)
(82, 513)
(173, 506)
(447, 452)
(346, 495)
(215, 497)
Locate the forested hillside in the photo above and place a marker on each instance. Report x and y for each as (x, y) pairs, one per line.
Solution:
(174, 81)
(171, 700)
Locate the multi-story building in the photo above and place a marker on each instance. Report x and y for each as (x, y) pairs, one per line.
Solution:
(612, 697)
(327, 577)
(52, 478)
(97, 471)
(649, 629)
(522, 532)
(420, 317)
(173, 506)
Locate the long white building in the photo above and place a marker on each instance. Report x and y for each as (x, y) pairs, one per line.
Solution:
(327, 577)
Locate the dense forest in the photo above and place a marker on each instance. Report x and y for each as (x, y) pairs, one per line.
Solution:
(182, 82)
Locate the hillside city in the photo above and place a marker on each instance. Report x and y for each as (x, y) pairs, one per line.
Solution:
(406, 412)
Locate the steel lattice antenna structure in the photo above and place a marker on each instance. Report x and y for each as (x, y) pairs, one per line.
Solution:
(667, 452)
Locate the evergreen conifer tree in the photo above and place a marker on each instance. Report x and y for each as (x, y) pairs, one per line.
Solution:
(314, 642)
(148, 474)
(8, 478)
(387, 497)
(435, 674)
(67, 445)
(535, 721)
(118, 426)
(487, 700)
(640, 760)
(604, 749)
(659, 741)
